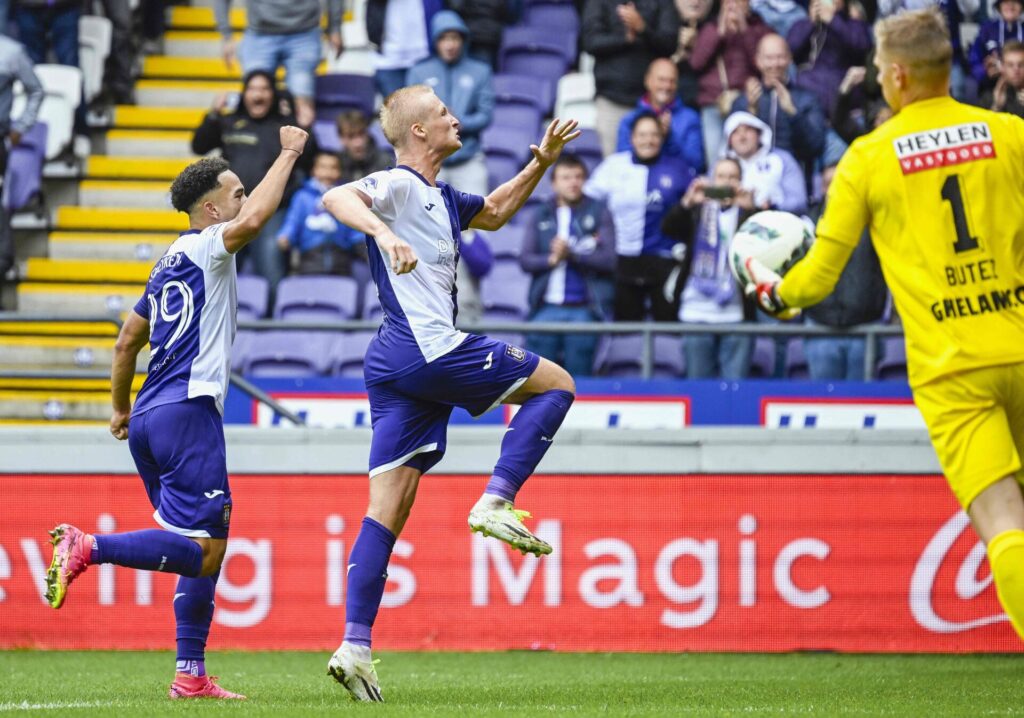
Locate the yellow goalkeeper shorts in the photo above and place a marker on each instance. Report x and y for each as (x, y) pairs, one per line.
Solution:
(976, 422)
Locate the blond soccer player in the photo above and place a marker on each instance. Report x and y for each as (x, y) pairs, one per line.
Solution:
(941, 187)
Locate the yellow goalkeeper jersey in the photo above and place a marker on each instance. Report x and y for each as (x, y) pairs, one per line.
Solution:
(941, 187)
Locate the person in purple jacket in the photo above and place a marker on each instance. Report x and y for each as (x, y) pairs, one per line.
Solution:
(825, 45)
(984, 54)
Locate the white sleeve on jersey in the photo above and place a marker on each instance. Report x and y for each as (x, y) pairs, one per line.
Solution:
(210, 247)
(381, 188)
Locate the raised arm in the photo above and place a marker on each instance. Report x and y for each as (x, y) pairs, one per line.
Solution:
(505, 201)
(266, 197)
(352, 207)
(134, 335)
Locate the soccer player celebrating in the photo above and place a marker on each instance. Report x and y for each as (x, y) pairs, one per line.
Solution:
(175, 431)
(419, 366)
(941, 186)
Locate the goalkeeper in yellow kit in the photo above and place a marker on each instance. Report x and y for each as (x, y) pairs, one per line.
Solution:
(941, 187)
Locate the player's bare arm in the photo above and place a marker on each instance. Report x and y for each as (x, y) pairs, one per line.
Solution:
(133, 337)
(351, 207)
(266, 197)
(505, 201)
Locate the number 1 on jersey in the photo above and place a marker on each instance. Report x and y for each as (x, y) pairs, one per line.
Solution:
(952, 193)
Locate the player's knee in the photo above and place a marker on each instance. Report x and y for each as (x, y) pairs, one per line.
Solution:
(213, 555)
(564, 382)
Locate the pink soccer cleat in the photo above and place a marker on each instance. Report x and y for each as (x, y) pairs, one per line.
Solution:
(189, 686)
(71, 550)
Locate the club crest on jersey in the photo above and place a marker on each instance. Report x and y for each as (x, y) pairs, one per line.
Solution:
(227, 515)
(515, 352)
(369, 182)
(944, 147)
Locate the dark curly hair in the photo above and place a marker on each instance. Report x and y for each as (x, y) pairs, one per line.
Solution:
(195, 181)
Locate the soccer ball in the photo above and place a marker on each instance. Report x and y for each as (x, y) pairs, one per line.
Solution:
(776, 239)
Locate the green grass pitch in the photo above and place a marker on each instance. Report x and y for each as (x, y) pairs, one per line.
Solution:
(470, 685)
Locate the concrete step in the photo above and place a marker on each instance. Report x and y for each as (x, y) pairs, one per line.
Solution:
(47, 353)
(181, 93)
(123, 219)
(77, 300)
(134, 246)
(56, 329)
(157, 67)
(156, 143)
(194, 43)
(39, 269)
(142, 168)
(134, 193)
(55, 406)
(62, 384)
(137, 117)
(201, 18)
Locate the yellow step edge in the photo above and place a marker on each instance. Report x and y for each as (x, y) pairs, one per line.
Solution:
(57, 342)
(109, 166)
(51, 422)
(184, 16)
(193, 85)
(103, 289)
(167, 118)
(65, 396)
(156, 66)
(151, 135)
(196, 36)
(71, 329)
(65, 384)
(72, 270)
(120, 218)
(133, 185)
(105, 237)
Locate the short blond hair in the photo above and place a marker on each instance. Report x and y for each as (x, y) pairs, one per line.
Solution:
(401, 111)
(918, 39)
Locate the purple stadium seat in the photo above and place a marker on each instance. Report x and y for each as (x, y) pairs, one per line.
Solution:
(290, 354)
(796, 362)
(349, 352)
(316, 299)
(667, 361)
(619, 355)
(517, 116)
(507, 142)
(325, 132)
(371, 303)
(240, 349)
(762, 363)
(588, 148)
(503, 292)
(501, 169)
(24, 177)
(253, 296)
(531, 38)
(893, 364)
(337, 92)
(561, 15)
(378, 136)
(506, 242)
(361, 273)
(522, 89)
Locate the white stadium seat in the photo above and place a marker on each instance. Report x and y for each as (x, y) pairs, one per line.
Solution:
(576, 99)
(94, 39)
(63, 87)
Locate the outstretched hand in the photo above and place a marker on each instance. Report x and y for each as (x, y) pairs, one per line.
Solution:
(763, 290)
(556, 137)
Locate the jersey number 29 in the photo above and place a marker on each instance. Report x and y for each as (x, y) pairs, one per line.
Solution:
(160, 310)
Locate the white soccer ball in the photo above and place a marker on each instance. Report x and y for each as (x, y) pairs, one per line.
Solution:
(776, 239)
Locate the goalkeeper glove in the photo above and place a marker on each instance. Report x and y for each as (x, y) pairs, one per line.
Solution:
(763, 289)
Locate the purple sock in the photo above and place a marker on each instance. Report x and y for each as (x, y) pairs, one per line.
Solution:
(193, 613)
(150, 550)
(534, 427)
(367, 574)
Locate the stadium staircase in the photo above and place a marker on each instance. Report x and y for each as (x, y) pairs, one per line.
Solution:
(107, 221)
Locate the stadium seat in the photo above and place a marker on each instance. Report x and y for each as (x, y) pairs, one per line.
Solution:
(377, 133)
(519, 116)
(503, 292)
(24, 176)
(316, 299)
(240, 349)
(349, 352)
(506, 150)
(588, 148)
(543, 63)
(762, 363)
(63, 87)
(534, 39)
(337, 92)
(253, 297)
(523, 89)
(619, 355)
(371, 303)
(796, 362)
(94, 39)
(325, 132)
(552, 13)
(667, 360)
(290, 354)
(575, 99)
(507, 242)
(501, 169)
(893, 364)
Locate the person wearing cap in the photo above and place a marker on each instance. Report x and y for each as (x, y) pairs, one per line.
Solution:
(992, 35)
(465, 86)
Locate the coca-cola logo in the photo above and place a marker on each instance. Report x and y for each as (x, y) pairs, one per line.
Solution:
(967, 585)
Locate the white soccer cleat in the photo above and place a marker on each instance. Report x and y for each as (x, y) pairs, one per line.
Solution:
(352, 667)
(505, 523)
